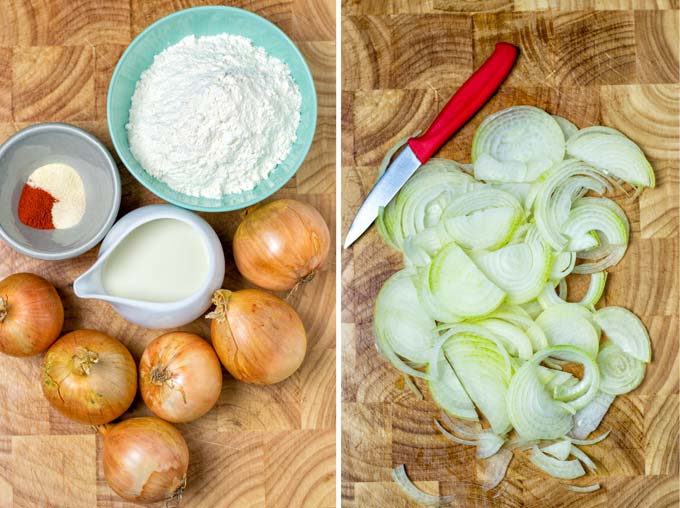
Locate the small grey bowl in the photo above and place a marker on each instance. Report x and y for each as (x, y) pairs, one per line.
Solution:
(47, 143)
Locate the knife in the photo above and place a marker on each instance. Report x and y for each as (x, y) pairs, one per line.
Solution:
(467, 100)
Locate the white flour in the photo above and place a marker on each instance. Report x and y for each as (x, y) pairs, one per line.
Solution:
(213, 115)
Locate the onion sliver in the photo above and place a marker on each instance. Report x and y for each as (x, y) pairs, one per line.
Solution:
(587, 419)
(565, 469)
(585, 489)
(89, 377)
(401, 478)
(495, 469)
(180, 377)
(560, 449)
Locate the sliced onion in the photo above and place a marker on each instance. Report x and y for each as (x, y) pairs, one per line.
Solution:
(568, 127)
(570, 324)
(456, 280)
(560, 449)
(520, 270)
(519, 133)
(586, 442)
(495, 469)
(564, 469)
(532, 411)
(449, 394)
(580, 455)
(401, 478)
(587, 419)
(401, 321)
(482, 313)
(585, 489)
(626, 330)
(620, 372)
(613, 154)
(483, 372)
(483, 219)
(452, 436)
(488, 444)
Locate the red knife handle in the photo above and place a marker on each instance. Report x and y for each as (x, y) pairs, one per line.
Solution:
(466, 101)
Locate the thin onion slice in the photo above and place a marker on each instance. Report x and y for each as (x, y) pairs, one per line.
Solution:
(585, 489)
(488, 444)
(620, 372)
(626, 330)
(564, 469)
(495, 469)
(407, 486)
(560, 449)
(586, 442)
(453, 437)
(587, 419)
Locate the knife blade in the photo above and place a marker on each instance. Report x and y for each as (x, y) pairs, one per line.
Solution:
(462, 106)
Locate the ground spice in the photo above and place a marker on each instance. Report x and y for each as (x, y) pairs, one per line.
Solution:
(52, 198)
(35, 208)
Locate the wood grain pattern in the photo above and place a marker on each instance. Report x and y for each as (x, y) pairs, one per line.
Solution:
(261, 446)
(611, 62)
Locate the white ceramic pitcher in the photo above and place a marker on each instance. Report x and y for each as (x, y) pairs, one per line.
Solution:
(151, 314)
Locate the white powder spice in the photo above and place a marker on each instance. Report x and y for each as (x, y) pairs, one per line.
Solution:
(213, 115)
(64, 184)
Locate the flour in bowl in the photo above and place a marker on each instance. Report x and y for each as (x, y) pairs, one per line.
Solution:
(213, 115)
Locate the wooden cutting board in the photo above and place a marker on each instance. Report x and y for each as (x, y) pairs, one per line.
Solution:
(610, 62)
(260, 447)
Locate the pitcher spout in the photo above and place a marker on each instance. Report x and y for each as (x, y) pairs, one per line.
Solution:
(90, 285)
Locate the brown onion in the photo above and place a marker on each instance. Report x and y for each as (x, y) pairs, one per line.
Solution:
(89, 377)
(31, 314)
(259, 338)
(180, 377)
(145, 459)
(281, 244)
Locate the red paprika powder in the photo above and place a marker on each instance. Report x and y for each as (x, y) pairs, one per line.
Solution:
(35, 208)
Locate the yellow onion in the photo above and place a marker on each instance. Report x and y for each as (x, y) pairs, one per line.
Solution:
(180, 376)
(259, 338)
(89, 377)
(31, 314)
(280, 244)
(145, 459)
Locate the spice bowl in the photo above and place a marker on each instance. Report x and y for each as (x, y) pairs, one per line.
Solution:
(207, 21)
(51, 143)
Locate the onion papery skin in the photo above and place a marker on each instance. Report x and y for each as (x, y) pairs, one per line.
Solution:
(258, 337)
(145, 459)
(280, 244)
(180, 377)
(89, 377)
(31, 315)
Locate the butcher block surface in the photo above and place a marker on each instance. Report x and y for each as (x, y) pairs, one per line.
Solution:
(608, 62)
(270, 447)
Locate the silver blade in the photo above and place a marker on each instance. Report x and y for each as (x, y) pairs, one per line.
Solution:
(401, 169)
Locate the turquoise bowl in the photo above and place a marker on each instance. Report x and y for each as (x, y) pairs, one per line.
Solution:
(200, 21)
